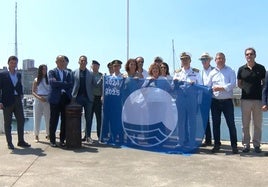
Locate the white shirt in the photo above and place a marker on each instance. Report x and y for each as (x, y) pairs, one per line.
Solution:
(119, 75)
(204, 75)
(224, 77)
(144, 73)
(188, 75)
(168, 77)
(43, 88)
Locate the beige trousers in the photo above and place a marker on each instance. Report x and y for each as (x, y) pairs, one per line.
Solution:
(251, 111)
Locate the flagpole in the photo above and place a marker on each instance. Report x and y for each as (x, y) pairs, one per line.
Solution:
(127, 29)
(16, 40)
(173, 52)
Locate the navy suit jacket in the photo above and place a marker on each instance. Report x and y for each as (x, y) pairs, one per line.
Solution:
(265, 91)
(57, 86)
(7, 88)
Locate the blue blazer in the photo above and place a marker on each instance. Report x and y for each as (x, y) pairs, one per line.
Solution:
(57, 85)
(265, 90)
(90, 83)
(7, 88)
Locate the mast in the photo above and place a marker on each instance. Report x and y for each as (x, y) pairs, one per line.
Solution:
(173, 55)
(127, 29)
(16, 41)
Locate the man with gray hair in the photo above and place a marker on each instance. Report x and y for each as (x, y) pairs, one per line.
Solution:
(206, 59)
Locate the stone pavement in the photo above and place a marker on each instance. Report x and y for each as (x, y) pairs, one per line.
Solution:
(101, 165)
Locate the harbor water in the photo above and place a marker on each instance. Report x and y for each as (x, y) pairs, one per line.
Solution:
(224, 130)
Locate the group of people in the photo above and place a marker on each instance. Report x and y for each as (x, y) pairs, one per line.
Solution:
(252, 78)
(61, 86)
(55, 89)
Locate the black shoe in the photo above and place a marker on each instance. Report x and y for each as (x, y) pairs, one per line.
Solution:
(245, 149)
(205, 144)
(215, 149)
(257, 149)
(53, 144)
(62, 144)
(47, 137)
(235, 150)
(10, 146)
(209, 143)
(23, 144)
(84, 139)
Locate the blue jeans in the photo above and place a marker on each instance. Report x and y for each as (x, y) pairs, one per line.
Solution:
(226, 107)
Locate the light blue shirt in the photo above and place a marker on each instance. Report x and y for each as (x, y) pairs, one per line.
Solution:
(14, 80)
(60, 73)
(224, 77)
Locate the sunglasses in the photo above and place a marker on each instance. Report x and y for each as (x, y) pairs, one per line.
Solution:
(204, 60)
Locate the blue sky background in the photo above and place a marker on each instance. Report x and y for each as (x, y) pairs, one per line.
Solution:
(97, 29)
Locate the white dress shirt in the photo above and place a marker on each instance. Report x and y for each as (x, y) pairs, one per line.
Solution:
(224, 77)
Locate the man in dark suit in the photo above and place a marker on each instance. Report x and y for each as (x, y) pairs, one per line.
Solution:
(11, 101)
(61, 86)
(82, 92)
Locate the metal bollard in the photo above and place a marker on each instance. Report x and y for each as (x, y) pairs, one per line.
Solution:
(73, 114)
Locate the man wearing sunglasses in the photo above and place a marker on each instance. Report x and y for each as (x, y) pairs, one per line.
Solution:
(206, 59)
(250, 78)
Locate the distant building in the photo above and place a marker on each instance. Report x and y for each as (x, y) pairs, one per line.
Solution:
(27, 64)
(4, 68)
(29, 72)
(27, 79)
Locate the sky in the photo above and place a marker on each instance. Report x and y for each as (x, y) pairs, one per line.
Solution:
(98, 29)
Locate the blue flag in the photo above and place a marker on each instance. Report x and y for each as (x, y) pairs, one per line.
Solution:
(155, 115)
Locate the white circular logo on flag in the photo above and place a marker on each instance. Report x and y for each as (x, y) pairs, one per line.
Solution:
(149, 116)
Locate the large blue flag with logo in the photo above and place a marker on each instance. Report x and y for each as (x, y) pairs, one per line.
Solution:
(155, 115)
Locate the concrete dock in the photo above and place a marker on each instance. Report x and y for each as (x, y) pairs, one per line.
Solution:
(102, 165)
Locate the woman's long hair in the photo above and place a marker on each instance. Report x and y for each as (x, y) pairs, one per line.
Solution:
(40, 74)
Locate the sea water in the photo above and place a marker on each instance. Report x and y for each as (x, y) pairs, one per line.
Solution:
(224, 129)
(29, 124)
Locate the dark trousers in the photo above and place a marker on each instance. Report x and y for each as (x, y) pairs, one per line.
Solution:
(226, 107)
(97, 110)
(57, 110)
(208, 133)
(87, 105)
(17, 109)
(208, 137)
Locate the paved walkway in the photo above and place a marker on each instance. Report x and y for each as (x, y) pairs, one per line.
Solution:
(101, 165)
